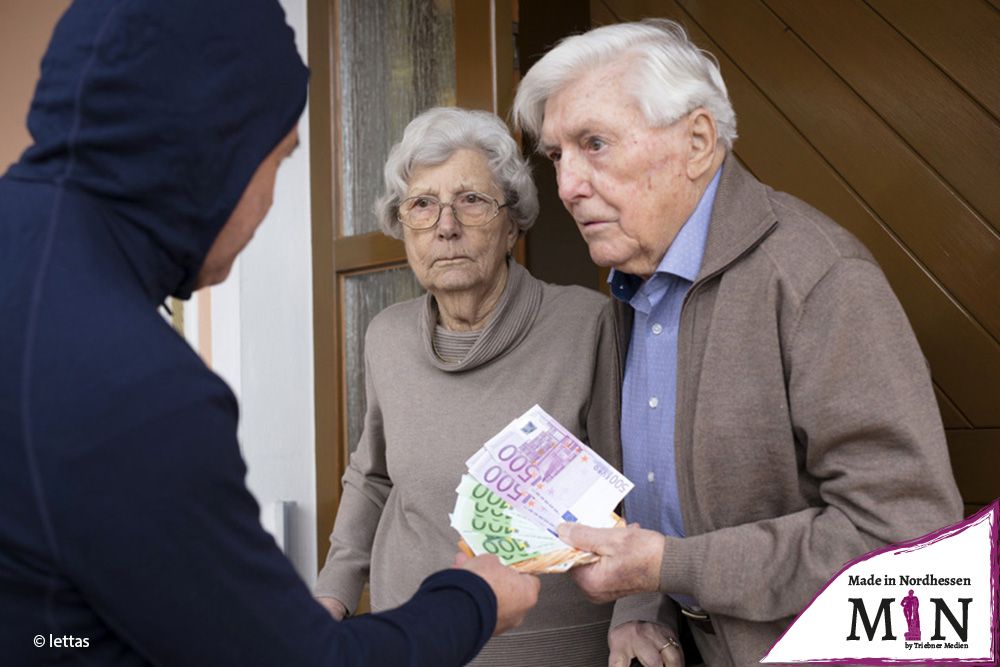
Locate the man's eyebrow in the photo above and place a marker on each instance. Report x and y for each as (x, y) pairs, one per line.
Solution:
(544, 148)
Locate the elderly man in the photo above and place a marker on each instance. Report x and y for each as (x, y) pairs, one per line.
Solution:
(777, 414)
(127, 533)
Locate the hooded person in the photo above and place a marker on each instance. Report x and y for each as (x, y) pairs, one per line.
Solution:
(127, 533)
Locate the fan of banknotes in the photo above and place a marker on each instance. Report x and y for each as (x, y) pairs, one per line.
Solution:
(523, 483)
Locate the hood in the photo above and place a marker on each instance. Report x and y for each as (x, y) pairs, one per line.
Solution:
(162, 111)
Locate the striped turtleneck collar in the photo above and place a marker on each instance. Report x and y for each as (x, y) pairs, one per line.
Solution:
(508, 324)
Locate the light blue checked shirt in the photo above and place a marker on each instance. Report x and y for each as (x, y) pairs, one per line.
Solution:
(650, 388)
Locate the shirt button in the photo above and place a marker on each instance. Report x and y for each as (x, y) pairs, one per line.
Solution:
(650, 476)
(657, 329)
(653, 402)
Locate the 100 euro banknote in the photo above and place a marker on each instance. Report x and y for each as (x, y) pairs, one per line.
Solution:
(488, 525)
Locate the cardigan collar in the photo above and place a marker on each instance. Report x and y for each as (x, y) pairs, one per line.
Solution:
(741, 218)
(507, 327)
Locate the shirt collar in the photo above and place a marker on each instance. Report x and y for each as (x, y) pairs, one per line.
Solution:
(684, 256)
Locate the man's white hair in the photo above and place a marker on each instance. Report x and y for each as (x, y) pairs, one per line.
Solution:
(433, 137)
(668, 76)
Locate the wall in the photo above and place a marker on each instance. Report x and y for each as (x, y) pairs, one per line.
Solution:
(25, 28)
(262, 345)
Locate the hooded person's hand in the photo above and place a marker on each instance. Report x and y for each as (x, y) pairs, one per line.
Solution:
(516, 593)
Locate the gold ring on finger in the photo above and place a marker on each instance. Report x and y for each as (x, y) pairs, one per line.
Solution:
(670, 643)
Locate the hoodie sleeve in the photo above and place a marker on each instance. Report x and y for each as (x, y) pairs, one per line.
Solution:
(161, 536)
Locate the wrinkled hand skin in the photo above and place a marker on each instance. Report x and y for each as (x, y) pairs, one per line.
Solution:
(630, 560)
(516, 593)
(638, 639)
(334, 606)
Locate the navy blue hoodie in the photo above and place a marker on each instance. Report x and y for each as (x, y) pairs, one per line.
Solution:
(127, 533)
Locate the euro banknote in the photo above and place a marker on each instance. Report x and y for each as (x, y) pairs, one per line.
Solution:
(488, 525)
(544, 471)
(525, 481)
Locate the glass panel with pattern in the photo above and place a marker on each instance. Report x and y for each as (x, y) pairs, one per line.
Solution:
(365, 295)
(397, 58)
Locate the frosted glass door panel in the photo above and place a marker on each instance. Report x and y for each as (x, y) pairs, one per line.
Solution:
(365, 296)
(397, 58)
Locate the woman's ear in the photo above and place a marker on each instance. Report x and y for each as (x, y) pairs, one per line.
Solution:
(513, 232)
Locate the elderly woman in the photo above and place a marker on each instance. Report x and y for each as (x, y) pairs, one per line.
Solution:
(448, 370)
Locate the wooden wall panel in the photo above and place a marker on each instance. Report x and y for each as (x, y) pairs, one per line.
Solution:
(950, 415)
(971, 450)
(819, 90)
(911, 198)
(955, 37)
(945, 127)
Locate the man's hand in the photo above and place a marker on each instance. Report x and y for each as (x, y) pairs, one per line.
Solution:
(334, 606)
(630, 560)
(640, 640)
(516, 593)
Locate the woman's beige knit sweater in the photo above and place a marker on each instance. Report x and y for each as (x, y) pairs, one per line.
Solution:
(544, 344)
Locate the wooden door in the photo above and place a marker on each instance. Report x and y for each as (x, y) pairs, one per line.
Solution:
(375, 65)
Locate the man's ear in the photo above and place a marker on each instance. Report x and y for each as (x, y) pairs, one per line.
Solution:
(703, 140)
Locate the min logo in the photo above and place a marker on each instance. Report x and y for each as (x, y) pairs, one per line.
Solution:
(954, 637)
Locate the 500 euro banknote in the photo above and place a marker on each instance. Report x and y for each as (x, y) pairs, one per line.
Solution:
(548, 475)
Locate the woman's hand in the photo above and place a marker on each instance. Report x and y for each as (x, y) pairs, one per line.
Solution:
(334, 606)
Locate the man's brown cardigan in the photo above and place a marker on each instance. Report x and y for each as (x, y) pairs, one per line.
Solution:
(807, 431)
